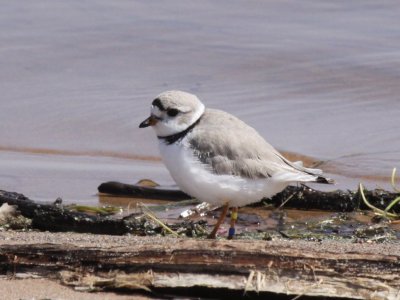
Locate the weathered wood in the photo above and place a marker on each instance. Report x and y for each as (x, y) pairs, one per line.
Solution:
(304, 268)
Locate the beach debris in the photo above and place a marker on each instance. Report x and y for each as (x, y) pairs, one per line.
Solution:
(147, 183)
(103, 210)
(385, 213)
(10, 218)
(374, 233)
(7, 211)
(200, 210)
(148, 213)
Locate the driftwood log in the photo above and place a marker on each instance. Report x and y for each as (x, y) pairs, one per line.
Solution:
(301, 197)
(92, 262)
(138, 191)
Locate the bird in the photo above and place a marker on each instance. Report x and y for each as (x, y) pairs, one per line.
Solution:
(217, 158)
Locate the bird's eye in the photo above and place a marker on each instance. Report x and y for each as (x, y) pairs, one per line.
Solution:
(172, 112)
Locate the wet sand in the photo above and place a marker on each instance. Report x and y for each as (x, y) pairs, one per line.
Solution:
(12, 289)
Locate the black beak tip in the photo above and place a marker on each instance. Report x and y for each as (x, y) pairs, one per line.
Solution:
(144, 124)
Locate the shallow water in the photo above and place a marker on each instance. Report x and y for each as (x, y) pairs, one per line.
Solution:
(315, 78)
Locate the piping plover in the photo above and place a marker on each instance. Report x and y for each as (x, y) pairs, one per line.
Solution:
(217, 158)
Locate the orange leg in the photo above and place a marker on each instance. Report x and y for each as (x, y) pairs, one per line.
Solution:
(234, 215)
(213, 233)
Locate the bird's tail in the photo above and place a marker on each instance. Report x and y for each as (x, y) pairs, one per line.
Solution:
(325, 180)
(315, 172)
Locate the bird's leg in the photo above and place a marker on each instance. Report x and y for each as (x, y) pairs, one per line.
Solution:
(213, 233)
(234, 216)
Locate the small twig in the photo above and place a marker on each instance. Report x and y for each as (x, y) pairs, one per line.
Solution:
(147, 212)
(384, 213)
(377, 210)
(286, 201)
(397, 200)
(391, 204)
(393, 181)
(128, 208)
(248, 282)
(308, 289)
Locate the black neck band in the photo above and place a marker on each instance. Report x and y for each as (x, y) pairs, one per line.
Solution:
(170, 139)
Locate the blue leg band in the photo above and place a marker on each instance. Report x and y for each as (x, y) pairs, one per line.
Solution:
(231, 232)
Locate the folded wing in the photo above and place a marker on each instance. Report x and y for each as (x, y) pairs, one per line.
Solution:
(241, 151)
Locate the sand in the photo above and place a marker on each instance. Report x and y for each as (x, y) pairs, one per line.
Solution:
(48, 289)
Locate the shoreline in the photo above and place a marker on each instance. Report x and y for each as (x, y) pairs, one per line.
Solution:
(328, 166)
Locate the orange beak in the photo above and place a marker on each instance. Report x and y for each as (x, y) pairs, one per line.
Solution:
(150, 121)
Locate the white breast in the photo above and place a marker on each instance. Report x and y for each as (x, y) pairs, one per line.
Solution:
(197, 180)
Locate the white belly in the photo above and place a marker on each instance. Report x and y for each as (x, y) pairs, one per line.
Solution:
(195, 179)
